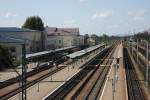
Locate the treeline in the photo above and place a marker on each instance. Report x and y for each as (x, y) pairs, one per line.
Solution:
(102, 38)
(142, 36)
(105, 37)
(6, 60)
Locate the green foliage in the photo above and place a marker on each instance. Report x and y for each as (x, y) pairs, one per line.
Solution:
(5, 58)
(109, 39)
(86, 36)
(34, 23)
(142, 36)
(96, 38)
(104, 38)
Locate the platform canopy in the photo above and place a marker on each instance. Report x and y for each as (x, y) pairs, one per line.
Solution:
(10, 40)
(38, 54)
(63, 49)
(50, 52)
(83, 52)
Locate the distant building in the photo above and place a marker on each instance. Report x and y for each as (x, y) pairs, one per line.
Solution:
(34, 41)
(148, 31)
(91, 41)
(63, 37)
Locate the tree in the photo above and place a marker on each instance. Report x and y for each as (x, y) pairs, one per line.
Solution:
(104, 38)
(34, 23)
(6, 60)
(86, 36)
(142, 36)
(96, 38)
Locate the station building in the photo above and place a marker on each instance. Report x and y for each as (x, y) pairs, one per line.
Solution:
(36, 41)
(63, 37)
(91, 41)
(33, 40)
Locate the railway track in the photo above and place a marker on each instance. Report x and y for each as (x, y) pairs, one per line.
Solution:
(90, 89)
(142, 62)
(12, 86)
(12, 89)
(90, 78)
(135, 91)
(96, 90)
(31, 73)
(70, 84)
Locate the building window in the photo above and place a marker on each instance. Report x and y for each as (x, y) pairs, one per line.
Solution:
(31, 49)
(59, 41)
(13, 49)
(37, 48)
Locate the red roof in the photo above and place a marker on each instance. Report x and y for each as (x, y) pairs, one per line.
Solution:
(54, 31)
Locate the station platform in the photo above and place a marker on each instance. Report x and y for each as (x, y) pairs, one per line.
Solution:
(11, 73)
(50, 84)
(46, 86)
(120, 91)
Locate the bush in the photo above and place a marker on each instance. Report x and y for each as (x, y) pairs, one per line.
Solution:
(6, 60)
(142, 36)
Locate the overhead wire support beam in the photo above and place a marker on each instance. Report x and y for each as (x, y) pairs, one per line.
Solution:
(24, 70)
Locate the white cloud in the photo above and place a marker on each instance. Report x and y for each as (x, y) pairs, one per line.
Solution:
(113, 26)
(82, 1)
(138, 14)
(70, 21)
(9, 15)
(9, 19)
(136, 18)
(102, 14)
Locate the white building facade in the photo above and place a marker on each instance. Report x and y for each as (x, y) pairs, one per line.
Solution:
(32, 38)
(91, 41)
(63, 37)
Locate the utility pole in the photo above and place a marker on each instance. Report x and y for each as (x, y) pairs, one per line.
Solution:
(113, 89)
(38, 84)
(137, 56)
(132, 47)
(23, 76)
(115, 77)
(147, 65)
(24, 70)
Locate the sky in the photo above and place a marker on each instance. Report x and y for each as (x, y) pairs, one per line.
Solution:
(114, 17)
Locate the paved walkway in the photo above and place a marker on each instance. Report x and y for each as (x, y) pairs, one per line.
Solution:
(47, 87)
(120, 85)
(11, 73)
